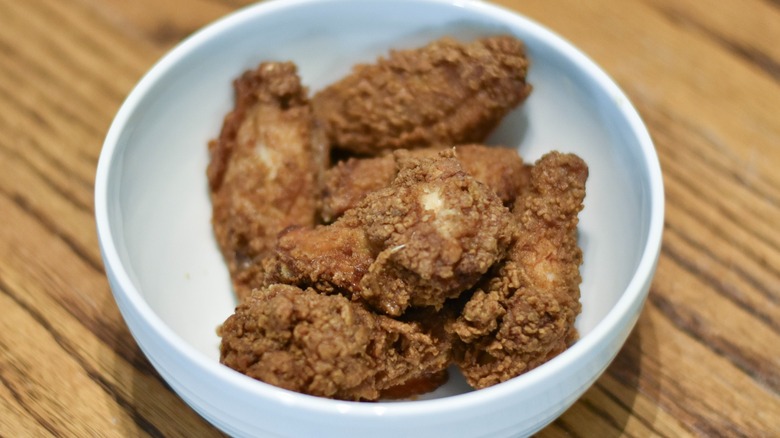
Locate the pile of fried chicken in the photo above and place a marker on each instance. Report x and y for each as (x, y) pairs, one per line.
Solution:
(372, 240)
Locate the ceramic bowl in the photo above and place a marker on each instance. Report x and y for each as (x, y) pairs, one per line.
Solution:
(170, 281)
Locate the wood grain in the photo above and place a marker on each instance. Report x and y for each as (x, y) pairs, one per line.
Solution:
(704, 359)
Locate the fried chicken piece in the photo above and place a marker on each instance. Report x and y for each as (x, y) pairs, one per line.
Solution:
(500, 168)
(439, 230)
(263, 168)
(328, 258)
(524, 315)
(326, 345)
(427, 237)
(349, 181)
(445, 93)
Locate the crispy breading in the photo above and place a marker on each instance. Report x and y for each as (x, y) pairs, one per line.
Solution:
(445, 93)
(332, 258)
(420, 249)
(263, 169)
(349, 181)
(428, 236)
(524, 314)
(438, 229)
(326, 345)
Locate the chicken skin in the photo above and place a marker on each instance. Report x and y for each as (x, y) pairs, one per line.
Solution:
(428, 236)
(349, 181)
(263, 170)
(328, 346)
(445, 93)
(523, 315)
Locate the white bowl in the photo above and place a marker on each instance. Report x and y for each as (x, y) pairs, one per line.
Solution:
(172, 286)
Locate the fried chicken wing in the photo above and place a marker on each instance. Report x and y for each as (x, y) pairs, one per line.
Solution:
(428, 236)
(263, 169)
(445, 93)
(326, 345)
(524, 314)
(349, 181)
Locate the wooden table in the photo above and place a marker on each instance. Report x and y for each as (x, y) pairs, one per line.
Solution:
(705, 356)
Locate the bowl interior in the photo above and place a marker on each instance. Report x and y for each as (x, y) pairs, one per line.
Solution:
(159, 210)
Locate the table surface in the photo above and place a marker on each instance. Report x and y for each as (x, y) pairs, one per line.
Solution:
(704, 358)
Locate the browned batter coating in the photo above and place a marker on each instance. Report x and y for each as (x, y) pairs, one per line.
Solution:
(439, 230)
(500, 168)
(445, 93)
(427, 237)
(349, 181)
(326, 345)
(524, 315)
(263, 169)
(422, 264)
(332, 258)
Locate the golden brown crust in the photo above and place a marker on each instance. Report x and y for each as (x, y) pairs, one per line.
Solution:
(327, 258)
(422, 264)
(520, 315)
(438, 231)
(524, 315)
(327, 346)
(427, 237)
(262, 169)
(499, 168)
(349, 181)
(445, 93)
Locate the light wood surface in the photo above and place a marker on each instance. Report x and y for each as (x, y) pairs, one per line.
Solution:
(704, 359)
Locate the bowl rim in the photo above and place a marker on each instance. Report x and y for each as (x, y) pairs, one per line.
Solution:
(636, 290)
